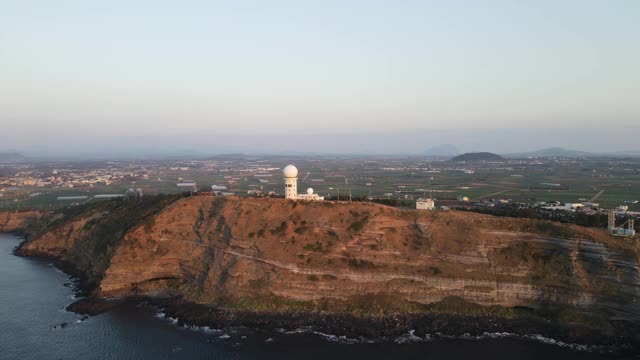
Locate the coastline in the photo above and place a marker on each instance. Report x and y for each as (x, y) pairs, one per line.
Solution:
(351, 329)
(417, 327)
(140, 252)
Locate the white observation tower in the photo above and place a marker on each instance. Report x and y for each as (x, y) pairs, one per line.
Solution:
(290, 182)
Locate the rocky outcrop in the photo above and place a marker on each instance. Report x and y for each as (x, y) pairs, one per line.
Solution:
(16, 221)
(278, 255)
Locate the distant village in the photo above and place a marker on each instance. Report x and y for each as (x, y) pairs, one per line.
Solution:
(418, 183)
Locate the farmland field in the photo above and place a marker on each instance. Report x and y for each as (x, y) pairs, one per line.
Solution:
(609, 181)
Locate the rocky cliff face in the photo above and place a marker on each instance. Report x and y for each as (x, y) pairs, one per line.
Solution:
(274, 254)
(12, 221)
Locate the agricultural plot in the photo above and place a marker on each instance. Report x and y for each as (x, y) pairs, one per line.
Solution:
(613, 181)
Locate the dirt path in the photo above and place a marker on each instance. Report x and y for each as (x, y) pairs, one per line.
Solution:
(492, 194)
(597, 196)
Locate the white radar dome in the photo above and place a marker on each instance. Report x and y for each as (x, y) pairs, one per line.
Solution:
(310, 191)
(290, 171)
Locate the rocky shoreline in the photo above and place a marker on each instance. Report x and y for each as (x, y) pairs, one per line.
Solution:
(386, 328)
(82, 286)
(219, 263)
(393, 326)
(379, 329)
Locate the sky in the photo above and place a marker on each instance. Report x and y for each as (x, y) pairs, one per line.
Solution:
(318, 76)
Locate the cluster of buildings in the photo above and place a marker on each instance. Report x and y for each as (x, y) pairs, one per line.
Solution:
(290, 173)
(66, 178)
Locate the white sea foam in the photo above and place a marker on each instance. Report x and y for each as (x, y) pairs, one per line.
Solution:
(573, 346)
(407, 338)
(174, 321)
(410, 337)
(335, 338)
(203, 329)
(162, 315)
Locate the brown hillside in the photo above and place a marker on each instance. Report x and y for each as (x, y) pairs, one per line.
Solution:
(274, 254)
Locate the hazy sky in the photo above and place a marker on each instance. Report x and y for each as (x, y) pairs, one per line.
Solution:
(103, 70)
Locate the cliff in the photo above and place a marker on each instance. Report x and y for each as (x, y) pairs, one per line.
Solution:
(14, 221)
(267, 255)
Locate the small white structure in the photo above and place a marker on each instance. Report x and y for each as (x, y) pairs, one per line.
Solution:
(425, 204)
(187, 184)
(622, 209)
(290, 173)
(310, 196)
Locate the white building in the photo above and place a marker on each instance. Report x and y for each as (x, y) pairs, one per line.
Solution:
(310, 196)
(291, 186)
(290, 182)
(425, 204)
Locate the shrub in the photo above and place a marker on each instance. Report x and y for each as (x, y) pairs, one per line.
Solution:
(358, 224)
(360, 264)
(280, 229)
(318, 247)
(149, 222)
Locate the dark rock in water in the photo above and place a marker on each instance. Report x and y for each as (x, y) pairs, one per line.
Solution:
(61, 326)
(92, 306)
(390, 327)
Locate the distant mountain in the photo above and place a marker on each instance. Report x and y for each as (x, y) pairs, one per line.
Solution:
(443, 150)
(478, 156)
(553, 152)
(11, 157)
(626, 153)
(227, 156)
(568, 153)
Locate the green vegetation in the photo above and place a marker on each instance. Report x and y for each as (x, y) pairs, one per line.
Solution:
(514, 254)
(257, 284)
(552, 229)
(300, 230)
(111, 220)
(319, 247)
(358, 225)
(280, 230)
(149, 223)
(387, 179)
(359, 263)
